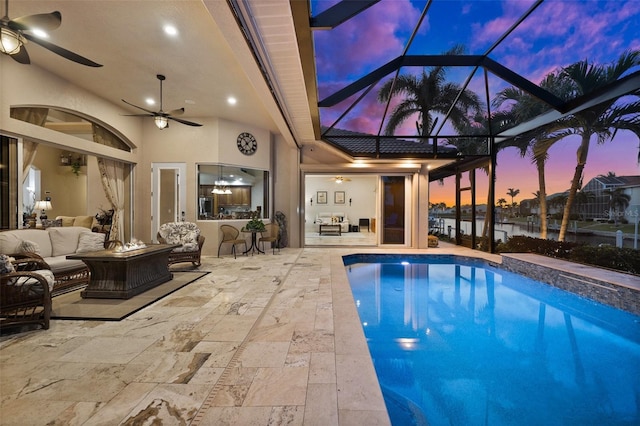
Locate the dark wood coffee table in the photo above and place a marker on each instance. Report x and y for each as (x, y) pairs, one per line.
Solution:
(121, 275)
(330, 229)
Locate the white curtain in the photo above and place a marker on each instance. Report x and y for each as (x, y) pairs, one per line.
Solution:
(112, 175)
(37, 116)
(29, 149)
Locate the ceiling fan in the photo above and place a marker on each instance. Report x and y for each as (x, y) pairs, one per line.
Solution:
(340, 179)
(15, 33)
(162, 118)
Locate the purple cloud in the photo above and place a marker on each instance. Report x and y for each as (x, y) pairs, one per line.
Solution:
(368, 40)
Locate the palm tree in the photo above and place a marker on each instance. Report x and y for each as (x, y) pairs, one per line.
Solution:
(602, 120)
(617, 199)
(537, 142)
(583, 198)
(558, 201)
(426, 94)
(608, 175)
(501, 203)
(536, 201)
(512, 193)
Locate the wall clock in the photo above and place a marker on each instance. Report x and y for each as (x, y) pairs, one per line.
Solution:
(247, 144)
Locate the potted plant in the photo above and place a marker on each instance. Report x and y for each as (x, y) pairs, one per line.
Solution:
(75, 166)
(256, 225)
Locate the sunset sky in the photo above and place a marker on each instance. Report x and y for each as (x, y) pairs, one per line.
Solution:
(557, 33)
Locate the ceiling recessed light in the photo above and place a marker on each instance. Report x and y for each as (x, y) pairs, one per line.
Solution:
(231, 100)
(189, 102)
(150, 101)
(170, 30)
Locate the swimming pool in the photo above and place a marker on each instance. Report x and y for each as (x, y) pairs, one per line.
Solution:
(457, 341)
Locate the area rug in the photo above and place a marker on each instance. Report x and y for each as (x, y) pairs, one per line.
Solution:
(70, 306)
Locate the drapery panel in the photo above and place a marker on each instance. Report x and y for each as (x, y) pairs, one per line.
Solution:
(37, 116)
(112, 174)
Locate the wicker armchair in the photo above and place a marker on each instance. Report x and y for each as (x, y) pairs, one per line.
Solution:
(188, 235)
(25, 295)
(271, 235)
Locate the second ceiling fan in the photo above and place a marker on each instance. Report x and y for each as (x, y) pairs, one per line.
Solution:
(162, 118)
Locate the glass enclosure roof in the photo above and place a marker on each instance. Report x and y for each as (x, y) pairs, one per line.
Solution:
(500, 44)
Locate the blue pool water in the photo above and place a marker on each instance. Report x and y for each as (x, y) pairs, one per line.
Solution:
(456, 341)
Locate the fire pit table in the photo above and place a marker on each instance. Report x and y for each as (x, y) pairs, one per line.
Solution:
(122, 275)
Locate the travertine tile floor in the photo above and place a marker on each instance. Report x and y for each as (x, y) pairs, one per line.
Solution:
(261, 340)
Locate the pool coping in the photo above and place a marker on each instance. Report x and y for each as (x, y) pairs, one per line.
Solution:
(617, 289)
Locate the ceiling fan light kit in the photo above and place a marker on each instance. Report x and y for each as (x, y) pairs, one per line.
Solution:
(14, 34)
(340, 179)
(161, 122)
(10, 41)
(162, 118)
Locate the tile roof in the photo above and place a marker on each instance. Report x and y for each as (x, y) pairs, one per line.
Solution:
(362, 144)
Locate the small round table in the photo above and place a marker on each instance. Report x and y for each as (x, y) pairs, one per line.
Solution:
(254, 245)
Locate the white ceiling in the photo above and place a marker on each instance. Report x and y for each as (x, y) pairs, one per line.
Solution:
(205, 64)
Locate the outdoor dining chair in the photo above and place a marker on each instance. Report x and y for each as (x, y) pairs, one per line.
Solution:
(230, 236)
(271, 235)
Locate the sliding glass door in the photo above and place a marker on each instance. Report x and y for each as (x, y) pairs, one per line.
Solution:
(393, 209)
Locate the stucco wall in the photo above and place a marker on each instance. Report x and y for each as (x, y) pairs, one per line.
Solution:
(214, 142)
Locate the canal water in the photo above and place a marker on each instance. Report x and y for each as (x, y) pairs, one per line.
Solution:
(507, 230)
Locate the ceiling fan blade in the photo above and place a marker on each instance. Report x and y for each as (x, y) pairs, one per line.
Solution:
(153, 113)
(42, 21)
(188, 123)
(178, 111)
(61, 51)
(22, 56)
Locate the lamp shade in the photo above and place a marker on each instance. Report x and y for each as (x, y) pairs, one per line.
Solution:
(43, 205)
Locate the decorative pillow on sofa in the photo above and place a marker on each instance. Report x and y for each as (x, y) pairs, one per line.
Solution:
(27, 246)
(84, 221)
(90, 241)
(64, 240)
(66, 220)
(51, 223)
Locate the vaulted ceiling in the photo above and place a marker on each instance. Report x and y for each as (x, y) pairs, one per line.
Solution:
(260, 52)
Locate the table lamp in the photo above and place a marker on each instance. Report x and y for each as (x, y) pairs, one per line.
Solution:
(44, 206)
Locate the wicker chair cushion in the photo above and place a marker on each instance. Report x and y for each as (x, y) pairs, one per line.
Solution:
(6, 266)
(185, 233)
(35, 287)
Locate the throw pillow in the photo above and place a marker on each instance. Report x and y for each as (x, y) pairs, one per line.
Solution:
(65, 240)
(84, 221)
(90, 241)
(6, 266)
(51, 223)
(66, 220)
(27, 246)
